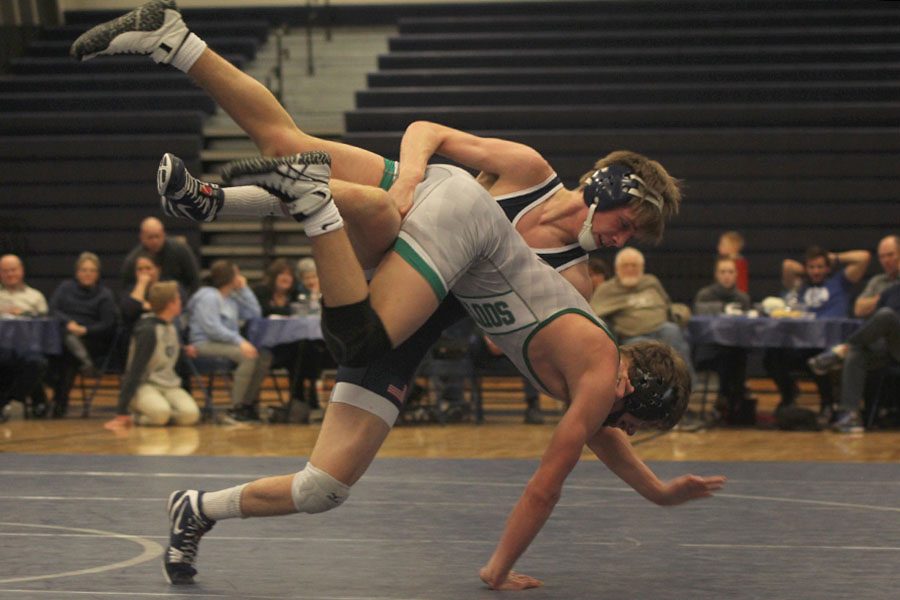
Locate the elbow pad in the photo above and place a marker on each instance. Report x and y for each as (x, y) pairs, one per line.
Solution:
(354, 334)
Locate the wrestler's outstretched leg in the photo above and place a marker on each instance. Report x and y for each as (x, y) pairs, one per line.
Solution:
(349, 439)
(157, 29)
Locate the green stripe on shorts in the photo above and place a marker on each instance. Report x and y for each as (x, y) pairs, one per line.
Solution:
(390, 174)
(408, 254)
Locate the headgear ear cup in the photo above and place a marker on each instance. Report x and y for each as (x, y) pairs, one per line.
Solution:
(610, 188)
(651, 399)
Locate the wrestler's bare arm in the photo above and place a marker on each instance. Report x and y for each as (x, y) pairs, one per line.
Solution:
(591, 383)
(615, 450)
(504, 163)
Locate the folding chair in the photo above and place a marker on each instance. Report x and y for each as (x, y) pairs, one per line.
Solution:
(112, 363)
(209, 367)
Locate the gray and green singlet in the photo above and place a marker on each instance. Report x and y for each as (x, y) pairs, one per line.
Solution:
(459, 239)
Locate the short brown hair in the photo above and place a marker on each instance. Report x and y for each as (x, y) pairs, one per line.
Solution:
(221, 273)
(661, 361)
(649, 220)
(721, 259)
(276, 268)
(161, 294)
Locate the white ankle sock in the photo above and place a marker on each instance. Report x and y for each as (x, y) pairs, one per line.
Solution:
(324, 220)
(224, 504)
(251, 201)
(191, 49)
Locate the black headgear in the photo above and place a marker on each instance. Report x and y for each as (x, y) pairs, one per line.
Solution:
(609, 188)
(651, 400)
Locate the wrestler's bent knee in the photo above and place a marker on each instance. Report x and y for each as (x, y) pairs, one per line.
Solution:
(315, 491)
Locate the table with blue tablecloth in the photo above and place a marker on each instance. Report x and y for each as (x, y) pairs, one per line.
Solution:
(766, 332)
(269, 332)
(40, 335)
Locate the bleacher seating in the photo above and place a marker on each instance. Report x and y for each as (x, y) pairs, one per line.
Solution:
(80, 142)
(779, 116)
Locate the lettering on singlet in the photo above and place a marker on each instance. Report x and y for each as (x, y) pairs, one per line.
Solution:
(499, 314)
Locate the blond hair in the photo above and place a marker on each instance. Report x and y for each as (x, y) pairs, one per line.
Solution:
(649, 219)
(161, 294)
(87, 257)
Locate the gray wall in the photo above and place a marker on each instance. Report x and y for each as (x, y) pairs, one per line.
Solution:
(28, 12)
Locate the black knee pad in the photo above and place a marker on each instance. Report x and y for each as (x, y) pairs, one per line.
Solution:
(354, 334)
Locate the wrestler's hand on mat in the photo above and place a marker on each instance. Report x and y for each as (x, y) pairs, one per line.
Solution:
(514, 581)
(689, 487)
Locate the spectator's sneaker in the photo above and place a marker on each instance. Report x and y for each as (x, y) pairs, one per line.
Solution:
(154, 28)
(848, 422)
(186, 526)
(244, 414)
(820, 364)
(184, 196)
(13, 411)
(299, 180)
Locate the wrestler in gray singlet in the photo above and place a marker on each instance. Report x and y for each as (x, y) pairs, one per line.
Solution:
(508, 291)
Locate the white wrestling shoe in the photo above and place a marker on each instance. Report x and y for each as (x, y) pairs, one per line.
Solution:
(154, 28)
(299, 180)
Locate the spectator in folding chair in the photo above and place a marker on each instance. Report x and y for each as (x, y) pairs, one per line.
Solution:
(820, 285)
(638, 306)
(875, 345)
(315, 356)
(729, 362)
(21, 370)
(215, 313)
(89, 311)
(152, 392)
(277, 295)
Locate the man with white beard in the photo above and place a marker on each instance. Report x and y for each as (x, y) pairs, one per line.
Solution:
(637, 306)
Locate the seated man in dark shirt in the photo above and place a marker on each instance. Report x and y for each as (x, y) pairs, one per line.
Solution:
(730, 362)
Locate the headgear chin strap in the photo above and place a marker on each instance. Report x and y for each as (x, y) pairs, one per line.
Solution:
(651, 400)
(609, 188)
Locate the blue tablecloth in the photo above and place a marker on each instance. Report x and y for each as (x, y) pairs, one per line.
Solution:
(764, 332)
(268, 333)
(31, 335)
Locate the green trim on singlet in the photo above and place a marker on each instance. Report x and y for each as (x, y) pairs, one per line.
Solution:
(408, 254)
(390, 174)
(553, 317)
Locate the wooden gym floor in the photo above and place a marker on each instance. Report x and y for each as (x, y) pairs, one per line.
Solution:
(501, 436)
